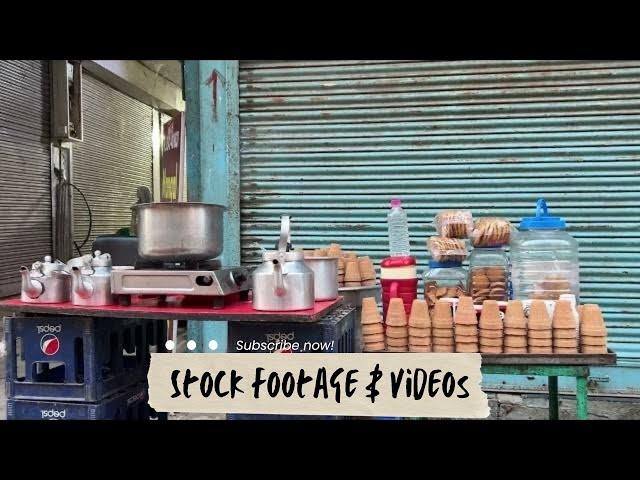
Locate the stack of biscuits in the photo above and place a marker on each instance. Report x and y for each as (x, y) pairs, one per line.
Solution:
(419, 327)
(491, 328)
(491, 232)
(442, 328)
(396, 331)
(593, 332)
(515, 328)
(488, 283)
(454, 223)
(539, 328)
(565, 335)
(466, 326)
(372, 327)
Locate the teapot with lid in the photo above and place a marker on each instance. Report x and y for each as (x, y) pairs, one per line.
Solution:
(91, 279)
(283, 282)
(46, 282)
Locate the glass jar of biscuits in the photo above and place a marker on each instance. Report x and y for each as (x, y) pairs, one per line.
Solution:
(488, 274)
(444, 280)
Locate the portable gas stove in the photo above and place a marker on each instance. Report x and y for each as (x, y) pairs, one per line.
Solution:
(206, 279)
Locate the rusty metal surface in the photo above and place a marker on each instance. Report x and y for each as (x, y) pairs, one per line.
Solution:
(329, 143)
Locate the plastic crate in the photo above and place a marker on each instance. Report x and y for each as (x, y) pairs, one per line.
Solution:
(129, 404)
(77, 358)
(333, 333)
(337, 327)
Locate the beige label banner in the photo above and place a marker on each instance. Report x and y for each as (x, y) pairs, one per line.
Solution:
(436, 385)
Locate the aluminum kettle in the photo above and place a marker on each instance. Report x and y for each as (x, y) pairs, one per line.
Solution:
(283, 282)
(46, 282)
(91, 280)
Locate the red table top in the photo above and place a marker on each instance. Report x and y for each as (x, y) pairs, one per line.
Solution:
(240, 311)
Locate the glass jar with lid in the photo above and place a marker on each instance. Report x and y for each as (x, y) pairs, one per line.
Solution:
(544, 258)
(444, 280)
(488, 274)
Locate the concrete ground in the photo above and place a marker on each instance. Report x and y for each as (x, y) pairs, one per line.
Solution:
(504, 406)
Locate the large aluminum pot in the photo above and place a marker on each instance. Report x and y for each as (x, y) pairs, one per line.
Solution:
(179, 231)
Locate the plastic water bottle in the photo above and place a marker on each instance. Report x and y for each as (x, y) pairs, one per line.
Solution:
(398, 230)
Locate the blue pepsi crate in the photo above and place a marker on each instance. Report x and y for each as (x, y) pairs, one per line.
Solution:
(335, 330)
(128, 404)
(79, 359)
(333, 333)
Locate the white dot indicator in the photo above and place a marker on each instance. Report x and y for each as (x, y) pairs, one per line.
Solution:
(169, 345)
(191, 345)
(213, 345)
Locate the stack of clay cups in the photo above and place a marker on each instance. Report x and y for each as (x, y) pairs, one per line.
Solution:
(396, 331)
(419, 327)
(372, 327)
(539, 328)
(593, 332)
(466, 326)
(565, 335)
(515, 328)
(341, 267)
(351, 272)
(442, 334)
(367, 271)
(491, 328)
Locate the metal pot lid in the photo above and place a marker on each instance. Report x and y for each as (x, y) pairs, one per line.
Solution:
(101, 259)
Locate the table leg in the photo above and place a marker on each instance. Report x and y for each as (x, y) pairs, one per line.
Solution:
(554, 410)
(582, 412)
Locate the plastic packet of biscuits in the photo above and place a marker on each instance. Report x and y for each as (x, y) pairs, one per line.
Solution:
(444, 249)
(491, 232)
(454, 223)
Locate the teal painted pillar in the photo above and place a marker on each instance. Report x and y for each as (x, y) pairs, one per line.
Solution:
(213, 163)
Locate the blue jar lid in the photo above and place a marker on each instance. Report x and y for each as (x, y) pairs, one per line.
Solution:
(435, 264)
(542, 220)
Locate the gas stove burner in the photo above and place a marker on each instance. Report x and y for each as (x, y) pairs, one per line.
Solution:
(216, 283)
(212, 264)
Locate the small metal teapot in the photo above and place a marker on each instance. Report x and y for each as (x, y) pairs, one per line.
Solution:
(91, 280)
(283, 282)
(46, 282)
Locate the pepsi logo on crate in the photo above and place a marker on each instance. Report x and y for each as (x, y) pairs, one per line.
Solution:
(86, 360)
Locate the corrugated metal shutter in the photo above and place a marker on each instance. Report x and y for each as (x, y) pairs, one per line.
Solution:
(25, 169)
(112, 161)
(331, 142)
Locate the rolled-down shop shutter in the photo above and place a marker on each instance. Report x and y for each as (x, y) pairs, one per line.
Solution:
(25, 169)
(330, 142)
(115, 158)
